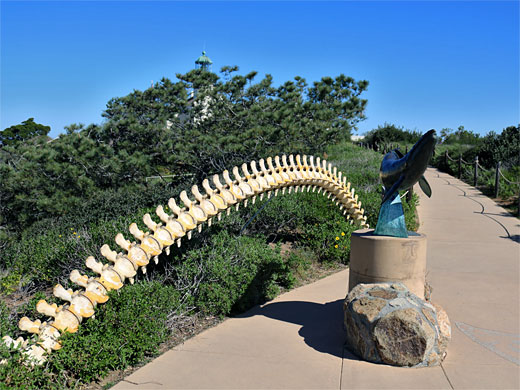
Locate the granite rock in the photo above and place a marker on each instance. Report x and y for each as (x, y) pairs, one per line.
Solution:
(368, 307)
(386, 323)
(444, 327)
(403, 338)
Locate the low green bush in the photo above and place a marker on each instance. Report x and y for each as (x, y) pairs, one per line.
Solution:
(7, 324)
(124, 332)
(390, 133)
(233, 273)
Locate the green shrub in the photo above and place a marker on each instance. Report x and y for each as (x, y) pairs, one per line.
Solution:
(11, 281)
(126, 330)
(47, 252)
(410, 212)
(306, 219)
(389, 133)
(501, 147)
(7, 325)
(231, 273)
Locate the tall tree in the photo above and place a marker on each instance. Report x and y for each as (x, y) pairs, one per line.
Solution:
(28, 129)
(216, 122)
(389, 133)
(503, 147)
(201, 124)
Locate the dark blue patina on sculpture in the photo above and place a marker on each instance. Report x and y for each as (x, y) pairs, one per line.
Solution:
(400, 172)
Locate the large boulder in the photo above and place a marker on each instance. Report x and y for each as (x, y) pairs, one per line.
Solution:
(386, 323)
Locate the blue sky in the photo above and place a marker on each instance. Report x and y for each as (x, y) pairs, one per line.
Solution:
(429, 64)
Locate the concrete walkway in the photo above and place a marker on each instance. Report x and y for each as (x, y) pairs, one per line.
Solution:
(296, 341)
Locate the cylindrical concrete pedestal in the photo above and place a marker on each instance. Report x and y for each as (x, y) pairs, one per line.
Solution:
(375, 259)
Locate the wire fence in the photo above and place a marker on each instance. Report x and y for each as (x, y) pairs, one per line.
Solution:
(470, 172)
(506, 179)
(482, 174)
(476, 166)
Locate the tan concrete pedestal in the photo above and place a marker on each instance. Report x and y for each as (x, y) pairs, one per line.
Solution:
(375, 259)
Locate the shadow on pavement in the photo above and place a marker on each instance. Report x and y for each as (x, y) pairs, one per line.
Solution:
(322, 324)
(515, 238)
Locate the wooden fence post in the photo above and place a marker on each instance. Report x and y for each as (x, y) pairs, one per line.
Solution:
(497, 180)
(460, 166)
(475, 172)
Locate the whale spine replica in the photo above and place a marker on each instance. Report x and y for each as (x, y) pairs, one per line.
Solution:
(298, 173)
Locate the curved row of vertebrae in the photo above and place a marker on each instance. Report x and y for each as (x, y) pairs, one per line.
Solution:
(280, 174)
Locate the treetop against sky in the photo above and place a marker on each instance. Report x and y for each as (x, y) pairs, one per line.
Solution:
(429, 64)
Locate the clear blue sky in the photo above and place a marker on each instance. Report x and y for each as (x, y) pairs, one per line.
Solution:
(429, 64)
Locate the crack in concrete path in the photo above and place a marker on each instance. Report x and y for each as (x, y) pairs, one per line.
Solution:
(142, 383)
(446, 375)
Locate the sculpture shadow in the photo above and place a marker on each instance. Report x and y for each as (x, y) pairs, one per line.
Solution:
(515, 238)
(321, 324)
(503, 214)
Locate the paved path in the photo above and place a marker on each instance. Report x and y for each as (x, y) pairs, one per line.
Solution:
(296, 341)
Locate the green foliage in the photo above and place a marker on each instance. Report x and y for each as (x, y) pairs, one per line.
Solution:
(459, 136)
(25, 131)
(507, 189)
(51, 248)
(233, 273)
(439, 160)
(503, 147)
(11, 281)
(309, 220)
(15, 375)
(199, 125)
(389, 133)
(7, 326)
(124, 332)
(61, 178)
(49, 251)
(491, 149)
(231, 120)
(227, 274)
(410, 213)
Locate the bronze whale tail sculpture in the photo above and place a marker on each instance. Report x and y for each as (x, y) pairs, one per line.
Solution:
(400, 171)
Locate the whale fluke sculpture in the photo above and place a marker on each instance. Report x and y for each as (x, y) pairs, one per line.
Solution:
(399, 172)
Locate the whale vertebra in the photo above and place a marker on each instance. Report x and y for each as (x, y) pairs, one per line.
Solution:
(124, 265)
(399, 172)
